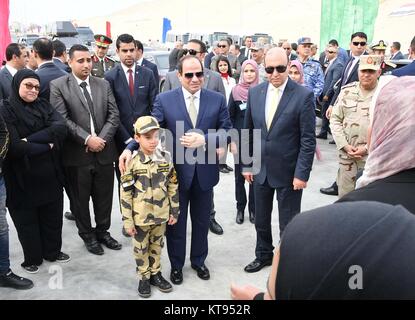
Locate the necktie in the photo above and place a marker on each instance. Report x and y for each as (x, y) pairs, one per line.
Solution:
(131, 82)
(275, 100)
(346, 72)
(103, 64)
(89, 102)
(192, 111)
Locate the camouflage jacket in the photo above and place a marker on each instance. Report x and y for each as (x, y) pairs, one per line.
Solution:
(149, 190)
(313, 76)
(349, 119)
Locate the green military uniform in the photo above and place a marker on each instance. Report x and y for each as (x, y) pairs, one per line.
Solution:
(349, 123)
(101, 66)
(149, 196)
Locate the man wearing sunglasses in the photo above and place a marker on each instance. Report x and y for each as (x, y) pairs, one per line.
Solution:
(284, 113)
(101, 63)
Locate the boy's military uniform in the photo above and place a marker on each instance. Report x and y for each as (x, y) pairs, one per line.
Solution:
(100, 66)
(349, 123)
(149, 195)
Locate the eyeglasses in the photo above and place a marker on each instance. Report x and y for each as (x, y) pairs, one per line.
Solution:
(190, 51)
(190, 75)
(356, 43)
(280, 69)
(222, 46)
(30, 87)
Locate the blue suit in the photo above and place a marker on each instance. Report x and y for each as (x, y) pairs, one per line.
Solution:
(286, 152)
(196, 181)
(131, 108)
(62, 65)
(408, 70)
(48, 72)
(153, 67)
(398, 56)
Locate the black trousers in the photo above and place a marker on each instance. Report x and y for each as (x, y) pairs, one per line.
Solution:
(40, 231)
(289, 204)
(240, 192)
(325, 125)
(97, 182)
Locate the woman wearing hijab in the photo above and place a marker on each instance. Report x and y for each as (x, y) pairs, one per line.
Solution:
(389, 174)
(237, 106)
(343, 251)
(33, 172)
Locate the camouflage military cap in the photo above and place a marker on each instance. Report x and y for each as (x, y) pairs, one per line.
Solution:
(370, 62)
(379, 46)
(102, 41)
(145, 124)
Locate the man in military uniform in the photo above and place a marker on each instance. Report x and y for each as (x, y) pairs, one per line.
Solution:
(380, 50)
(313, 73)
(349, 122)
(101, 63)
(149, 200)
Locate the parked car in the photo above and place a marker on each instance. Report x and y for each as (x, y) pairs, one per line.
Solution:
(161, 59)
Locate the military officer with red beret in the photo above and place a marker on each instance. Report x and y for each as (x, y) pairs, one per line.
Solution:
(101, 63)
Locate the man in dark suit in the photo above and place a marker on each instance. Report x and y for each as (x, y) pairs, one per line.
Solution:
(331, 75)
(88, 106)
(350, 73)
(60, 56)
(396, 53)
(197, 110)
(283, 111)
(289, 50)
(408, 70)
(236, 51)
(16, 59)
(141, 61)
(246, 50)
(214, 52)
(212, 81)
(173, 55)
(47, 70)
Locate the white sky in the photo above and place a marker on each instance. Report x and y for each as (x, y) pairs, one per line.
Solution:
(46, 11)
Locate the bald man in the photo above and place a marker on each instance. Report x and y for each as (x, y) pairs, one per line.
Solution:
(284, 112)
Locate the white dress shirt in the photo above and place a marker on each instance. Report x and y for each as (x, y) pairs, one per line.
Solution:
(270, 94)
(88, 88)
(127, 75)
(187, 95)
(12, 70)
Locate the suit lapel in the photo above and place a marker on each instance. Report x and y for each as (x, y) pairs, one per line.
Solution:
(286, 96)
(137, 80)
(207, 78)
(182, 106)
(202, 107)
(95, 95)
(75, 88)
(123, 79)
(261, 103)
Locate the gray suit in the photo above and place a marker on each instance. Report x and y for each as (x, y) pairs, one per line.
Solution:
(233, 60)
(89, 174)
(213, 81)
(5, 83)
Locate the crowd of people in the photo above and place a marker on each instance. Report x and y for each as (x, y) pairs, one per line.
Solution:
(70, 121)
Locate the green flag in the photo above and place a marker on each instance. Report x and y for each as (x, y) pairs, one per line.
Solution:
(341, 18)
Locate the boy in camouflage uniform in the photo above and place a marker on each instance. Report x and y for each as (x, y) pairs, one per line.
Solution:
(149, 200)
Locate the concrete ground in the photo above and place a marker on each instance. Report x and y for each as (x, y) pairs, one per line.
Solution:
(112, 276)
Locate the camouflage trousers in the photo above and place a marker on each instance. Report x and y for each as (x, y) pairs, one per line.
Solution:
(148, 243)
(346, 176)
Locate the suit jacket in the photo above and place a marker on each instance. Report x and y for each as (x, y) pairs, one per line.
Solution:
(242, 58)
(66, 96)
(287, 149)
(213, 81)
(208, 59)
(173, 59)
(170, 109)
(48, 72)
(398, 56)
(408, 70)
(131, 108)
(153, 67)
(62, 65)
(332, 75)
(5, 83)
(243, 52)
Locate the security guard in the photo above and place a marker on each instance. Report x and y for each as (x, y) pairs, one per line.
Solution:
(349, 122)
(380, 49)
(149, 200)
(101, 63)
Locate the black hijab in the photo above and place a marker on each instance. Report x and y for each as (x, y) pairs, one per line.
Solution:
(322, 250)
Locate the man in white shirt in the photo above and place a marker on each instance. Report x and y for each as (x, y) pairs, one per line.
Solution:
(16, 59)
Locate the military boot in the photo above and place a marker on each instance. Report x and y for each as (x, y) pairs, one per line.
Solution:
(144, 289)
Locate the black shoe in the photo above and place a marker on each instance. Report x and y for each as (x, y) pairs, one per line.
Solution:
(202, 272)
(252, 217)
(31, 269)
(61, 258)
(215, 227)
(332, 142)
(94, 247)
(330, 191)
(162, 284)
(240, 217)
(230, 169)
(176, 276)
(110, 242)
(144, 289)
(124, 233)
(10, 280)
(223, 170)
(257, 265)
(69, 216)
(322, 136)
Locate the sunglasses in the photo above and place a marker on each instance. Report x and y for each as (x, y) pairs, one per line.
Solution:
(190, 51)
(222, 46)
(356, 43)
(331, 51)
(101, 47)
(280, 69)
(254, 50)
(30, 87)
(286, 48)
(190, 75)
